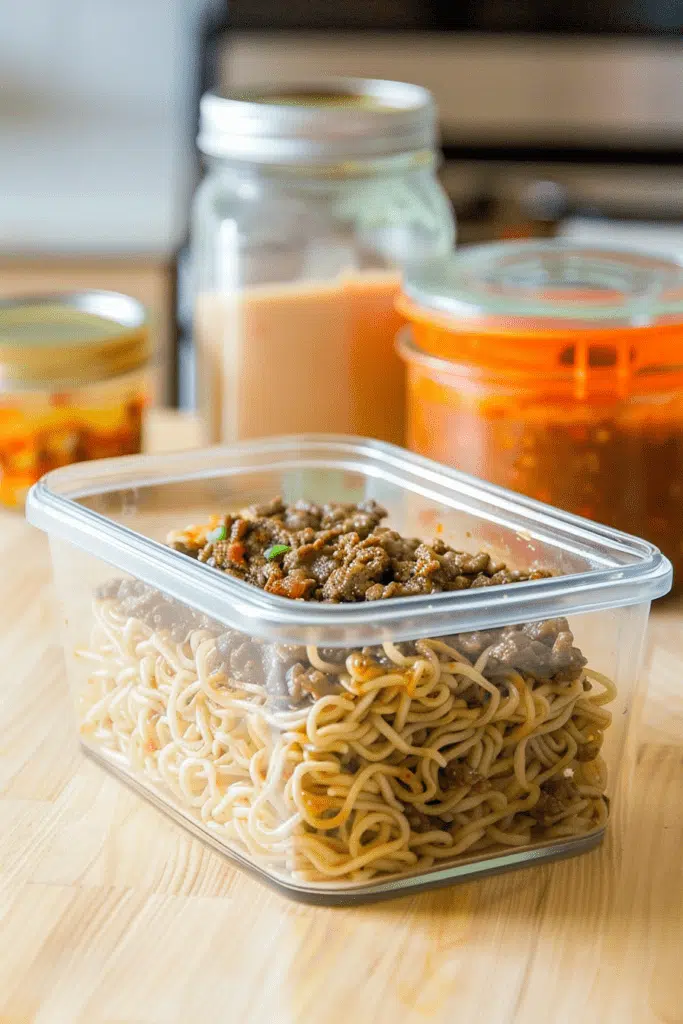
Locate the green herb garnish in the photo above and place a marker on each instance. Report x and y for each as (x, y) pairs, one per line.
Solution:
(213, 536)
(276, 550)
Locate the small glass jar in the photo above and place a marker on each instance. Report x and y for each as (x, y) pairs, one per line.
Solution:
(556, 371)
(73, 383)
(314, 200)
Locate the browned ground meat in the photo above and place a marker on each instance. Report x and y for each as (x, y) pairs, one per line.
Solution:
(302, 681)
(340, 553)
(459, 773)
(421, 822)
(289, 679)
(159, 611)
(543, 650)
(337, 553)
(283, 669)
(557, 795)
(588, 751)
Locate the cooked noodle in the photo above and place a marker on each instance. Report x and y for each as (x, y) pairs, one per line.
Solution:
(350, 786)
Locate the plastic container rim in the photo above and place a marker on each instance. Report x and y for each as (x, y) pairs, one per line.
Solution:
(52, 506)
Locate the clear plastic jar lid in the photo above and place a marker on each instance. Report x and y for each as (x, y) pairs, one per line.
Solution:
(549, 285)
(583, 321)
(340, 119)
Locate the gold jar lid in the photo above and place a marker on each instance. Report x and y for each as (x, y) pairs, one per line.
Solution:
(70, 339)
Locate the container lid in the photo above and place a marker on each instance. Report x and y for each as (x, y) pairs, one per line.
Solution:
(551, 285)
(340, 119)
(604, 568)
(596, 321)
(71, 338)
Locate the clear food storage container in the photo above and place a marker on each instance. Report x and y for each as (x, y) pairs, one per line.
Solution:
(351, 750)
(555, 370)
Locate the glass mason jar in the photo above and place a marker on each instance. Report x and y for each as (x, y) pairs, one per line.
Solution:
(557, 371)
(313, 202)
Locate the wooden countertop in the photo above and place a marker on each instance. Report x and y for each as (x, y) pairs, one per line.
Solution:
(111, 913)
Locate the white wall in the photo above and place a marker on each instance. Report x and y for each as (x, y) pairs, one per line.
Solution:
(95, 124)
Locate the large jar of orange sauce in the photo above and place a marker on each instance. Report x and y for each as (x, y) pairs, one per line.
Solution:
(314, 199)
(557, 371)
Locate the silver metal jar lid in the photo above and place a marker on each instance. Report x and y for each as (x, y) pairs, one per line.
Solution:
(339, 119)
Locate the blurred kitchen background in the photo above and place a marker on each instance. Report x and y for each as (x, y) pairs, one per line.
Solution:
(556, 119)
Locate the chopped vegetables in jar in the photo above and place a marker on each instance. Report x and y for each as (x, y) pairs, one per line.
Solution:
(39, 433)
(72, 383)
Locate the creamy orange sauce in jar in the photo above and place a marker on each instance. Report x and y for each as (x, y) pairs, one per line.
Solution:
(301, 358)
(313, 201)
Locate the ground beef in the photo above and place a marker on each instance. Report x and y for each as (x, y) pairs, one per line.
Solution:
(269, 508)
(459, 773)
(336, 553)
(473, 644)
(588, 751)
(421, 822)
(157, 610)
(185, 548)
(278, 668)
(277, 661)
(406, 648)
(242, 658)
(308, 681)
(340, 553)
(557, 795)
(540, 649)
(333, 655)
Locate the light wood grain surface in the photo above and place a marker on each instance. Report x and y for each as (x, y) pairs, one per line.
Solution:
(111, 913)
